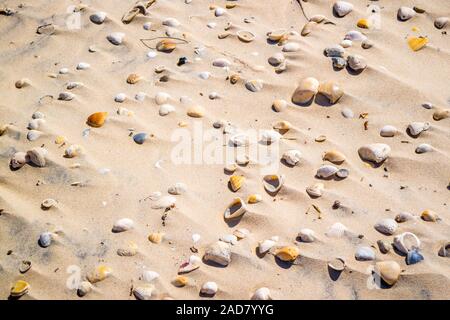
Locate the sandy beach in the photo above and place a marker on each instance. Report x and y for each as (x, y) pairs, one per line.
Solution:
(119, 123)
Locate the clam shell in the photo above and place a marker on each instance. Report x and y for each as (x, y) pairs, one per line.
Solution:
(235, 209)
(262, 294)
(331, 90)
(292, 157)
(22, 83)
(84, 288)
(273, 182)
(133, 78)
(18, 160)
(156, 237)
(337, 264)
(342, 8)
(254, 198)
(129, 250)
(177, 189)
(279, 105)
(97, 119)
(363, 23)
(37, 156)
(376, 152)
(405, 13)
(315, 190)
(423, 148)
(180, 281)
(356, 62)
(265, 246)
(342, 173)
(276, 59)
(291, 47)
(441, 22)
(386, 226)
(48, 203)
(196, 111)
(116, 38)
(388, 131)
(149, 275)
(441, 114)
(416, 128)
(100, 273)
(245, 36)
(334, 156)
(429, 215)
(307, 235)
(337, 230)
(406, 241)
(19, 288)
(219, 253)
(389, 271)
(209, 288)
(287, 254)
(254, 85)
(171, 22)
(166, 45)
(236, 182)
(122, 225)
(305, 91)
(144, 292)
(365, 254)
(326, 171)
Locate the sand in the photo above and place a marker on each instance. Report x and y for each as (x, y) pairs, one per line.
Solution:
(391, 90)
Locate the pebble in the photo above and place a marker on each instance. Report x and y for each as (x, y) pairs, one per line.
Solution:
(403, 217)
(326, 171)
(342, 8)
(338, 63)
(204, 75)
(342, 173)
(423, 148)
(116, 38)
(331, 90)
(307, 235)
(334, 51)
(347, 113)
(346, 43)
(140, 138)
(291, 47)
(221, 63)
(37, 156)
(178, 188)
(444, 250)
(376, 152)
(429, 215)
(265, 245)
(152, 54)
(388, 131)
(19, 288)
(33, 135)
(277, 59)
(292, 157)
(413, 257)
(384, 246)
(367, 44)
(22, 83)
(305, 91)
(66, 96)
(63, 71)
(365, 254)
(122, 225)
(209, 288)
(219, 253)
(279, 105)
(98, 17)
(405, 13)
(147, 26)
(45, 239)
(386, 226)
(254, 85)
(287, 254)
(416, 128)
(356, 62)
(195, 111)
(171, 22)
(120, 97)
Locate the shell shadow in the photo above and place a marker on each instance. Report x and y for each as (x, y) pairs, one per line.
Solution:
(322, 101)
(379, 282)
(353, 72)
(283, 264)
(305, 104)
(233, 222)
(212, 264)
(206, 295)
(398, 252)
(283, 161)
(334, 274)
(411, 135)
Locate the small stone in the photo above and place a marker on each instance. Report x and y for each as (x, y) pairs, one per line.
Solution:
(45, 239)
(37, 156)
(364, 254)
(209, 288)
(388, 131)
(48, 203)
(423, 148)
(386, 226)
(279, 105)
(376, 152)
(98, 17)
(405, 13)
(140, 138)
(338, 63)
(116, 38)
(334, 51)
(356, 63)
(342, 8)
(347, 113)
(177, 189)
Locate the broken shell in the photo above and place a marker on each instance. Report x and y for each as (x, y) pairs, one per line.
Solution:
(129, 250)
(18, 160)
(236, 182)
(334, 156)
(180, 281)
(405, 13)
(254, 85)
(444, 250)
(84, 288)
(273, 182)
(235, 209)
(416, 128)
(356, 63)
(308, 28)
(441, 114)
(305, 91)
(97, 119)
(279, 105)
(307, 235)
(48, 203)
(406, 241)
(292, 157)
(265, 246)
(277, 35)
(73, 151)
(254, 198)
(229, 238)
(277, 59)
(423, 148)
(389, 271)
(287, 254)
(166, 45)
(116, 38)
(133, 78)
(245, 36)
(37, 156)
(388, 131)
(144, 292)
(337, 264)
(25, 265)
(19, 288)
(417, 43)
(342, 8)
(429, 215)
(413, 257)
(441, 22)
(241, 233)
(177, 189)
(156, 237)
(291, 47)
(209, 288)
(219, 252)
(262, 294)
(315, 190)
(191, 265)
(365, 254)
(342, 173)
(386, 226)
(326, 171)
(376, 152)
(22, 83)
(123, 225)
(196, 111)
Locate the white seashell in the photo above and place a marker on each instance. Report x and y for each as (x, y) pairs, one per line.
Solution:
(66, 96)
(116, 38)
(221, 63)
(171, 22)
(177, 189)
(83, 66)
(229, 238)
(405, 13)
(273, 182)
(33, 135)
(365, 254)
(347, 113)
(441, 22)
(386, 226)
(265, 246)
(277, 59)
(307, 235)
(204, 75)
(213, 95)
(416, 128)
(337, 230)
(239, 139)
(262, 294)
(291, 47)
(73, 151)
(149, 275)
(38, 115)
(388, 131)
(292, 157)
(355, 36)
(219, 253)
(254, 85)
(165, 109)
(376, 152)
(270, 136)
(147, 26)
(162, 97)
(211, 25)
(143, 292)
(235, 209)
(120, 97)
(279, 105)
(346, 43)
(342, 8)
(63, 71)
(315, 190)
(209, 288)
(98, 17)
(18, 160)
(219, 12)
(124, 224)
(326, 171)
(34, 124)
(152, 54)
(356, 62)
(423, 148)
(165, 202)
(406, 242)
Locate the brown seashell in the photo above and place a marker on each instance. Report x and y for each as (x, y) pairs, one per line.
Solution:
(195, 112)
(156, 237)
(180, 281)
(277, 35)
(334, 156)
(97, 119)
(22, 83)
(133, 78)
(236, 182)
(331, 90)
(166, 45)
(389, 271)
(441, 114)
(429, 215)
(234, 78)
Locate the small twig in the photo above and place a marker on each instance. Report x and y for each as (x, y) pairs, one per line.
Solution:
(150, 39)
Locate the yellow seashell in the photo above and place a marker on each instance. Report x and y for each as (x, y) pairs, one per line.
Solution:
(334, 156)
(97, 119)
(415, 29)
(236, 182)
(441, 114)
(230, 5)
(234, 78)
(278, 35)
(254, 198)
(100, 273)
(156, 237)
(320, 138)
(417, 43)
(429, 215)
(180, 281)
(363, 23)
(60, 139)
(133, 78)
(19, 288)
(282, 125)
(166, 45)
(331, 90)
(287, 254)
(182, 124)
(196, 112)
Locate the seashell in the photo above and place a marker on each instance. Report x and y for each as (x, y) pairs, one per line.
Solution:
(423, 148)
(48, 203)
(441, 22)
(177, 189)
(97, 119)
(386, 226)
(241, 233)
(60, 139)
(73, 84)
(287, 254)
(242, 160)
(123, 224)
(405, 13)
(219, 11)
(277, 59)
(376, 152)
(140, 138)
(416, 128)
(229, 238)
(254, 198)
(262, 294)
(308, 28)
(338, 63)
(356, 63)
(406, 241)
(403, 217)
(221, 63)
(388, 131)
(281, 68)
(162, 98)
(315, 190)
(334, 51)
(165, 109)
(149, 275)
(124, 112)
(346, 43)
(334, 156)
(22, 83)
(196, 111)
(66, 96)
(367, 44)
(38, 115)
(342, 8)
(25, 265)
(291, 47)
(120, 97)
(305, 91)
(116, 38)
(73, 151)
(254, 85)
(209, 288)
(389, 271)
(441, 114)
(277, 35)
(45, 239)
(326, 171)
(282, 126)
(171, 22)
(337, 230)
(83, 66)
(18, 160)
(292, 157)
(180, 281)
(129, 250)
(265, 246)
(191, 265)
(19, 288)
(214, 95)
(219, 252)
(84, 288)
(144, 292)
(166, 45)
(363, 23)
(245, 36)
(307, 235)
(354, 35)
(156, 237)
(63, 71)
(365, 254)
(342, 173)
(204, 75)
(235, 209)
(337, 264)
(34, 124)
(444, 250)
(429, 215)
(384, 246)
(417, 43)
(133, 78)
(279, 105)
(37, 156)
(273, 182)
(413, 257)
(147, 26)
(236, 182)
(98, 17)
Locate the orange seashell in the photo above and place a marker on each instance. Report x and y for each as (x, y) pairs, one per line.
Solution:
(417, 43)
(97, 119)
